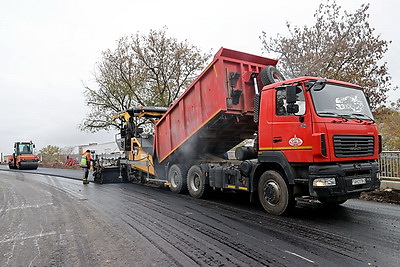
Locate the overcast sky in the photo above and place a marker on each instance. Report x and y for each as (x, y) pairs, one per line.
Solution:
(49, 47)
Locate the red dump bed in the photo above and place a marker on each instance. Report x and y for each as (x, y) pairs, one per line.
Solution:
(211, 117)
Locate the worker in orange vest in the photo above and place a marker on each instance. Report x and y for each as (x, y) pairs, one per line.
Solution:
(85, 164)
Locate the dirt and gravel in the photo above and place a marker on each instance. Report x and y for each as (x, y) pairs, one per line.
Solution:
(387, 196)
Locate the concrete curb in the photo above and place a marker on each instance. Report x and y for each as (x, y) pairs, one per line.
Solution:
(385, 184)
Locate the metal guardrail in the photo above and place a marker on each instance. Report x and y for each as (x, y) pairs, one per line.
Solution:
(389, 162)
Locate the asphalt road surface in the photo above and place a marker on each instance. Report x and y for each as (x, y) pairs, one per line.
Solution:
(49, 218)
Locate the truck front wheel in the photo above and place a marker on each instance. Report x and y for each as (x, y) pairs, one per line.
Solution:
(196, 182)
(274, 193)
(177, 178)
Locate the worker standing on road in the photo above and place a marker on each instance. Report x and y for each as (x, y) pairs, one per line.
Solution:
(85, 164)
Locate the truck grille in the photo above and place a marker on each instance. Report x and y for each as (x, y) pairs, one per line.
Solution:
(353, 145)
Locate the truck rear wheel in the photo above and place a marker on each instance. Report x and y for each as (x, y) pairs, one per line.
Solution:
(196, 182)
(177, 178)
(274, 193)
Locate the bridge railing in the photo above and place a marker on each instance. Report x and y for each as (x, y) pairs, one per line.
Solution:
(389, 162)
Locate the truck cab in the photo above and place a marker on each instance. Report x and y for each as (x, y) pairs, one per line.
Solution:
(322, 135)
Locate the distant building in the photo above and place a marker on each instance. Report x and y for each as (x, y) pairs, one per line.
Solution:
(4, 158)
(109, 148)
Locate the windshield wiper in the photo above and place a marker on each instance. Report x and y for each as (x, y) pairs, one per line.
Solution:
(328, 113)
(334, 114)
(362, 115)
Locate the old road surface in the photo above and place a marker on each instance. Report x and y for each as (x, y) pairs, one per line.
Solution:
(49, 219)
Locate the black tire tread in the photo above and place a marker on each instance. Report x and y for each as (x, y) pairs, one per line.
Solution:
(286, 204)
(182, 172)
(204, 188)
(267, 75)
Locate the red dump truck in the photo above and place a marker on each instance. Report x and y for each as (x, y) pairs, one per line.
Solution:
(311, 137)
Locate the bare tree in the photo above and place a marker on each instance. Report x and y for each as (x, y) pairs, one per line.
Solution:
(67, 150)
(340, 45)
(148, 70)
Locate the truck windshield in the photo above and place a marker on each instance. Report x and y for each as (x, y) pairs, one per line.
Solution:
(342, 102)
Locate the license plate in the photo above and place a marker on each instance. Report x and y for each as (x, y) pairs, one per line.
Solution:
(358, 181)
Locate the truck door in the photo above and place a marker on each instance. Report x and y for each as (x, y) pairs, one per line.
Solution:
(292, 129)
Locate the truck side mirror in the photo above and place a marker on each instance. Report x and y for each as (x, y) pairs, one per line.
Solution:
(291, 94)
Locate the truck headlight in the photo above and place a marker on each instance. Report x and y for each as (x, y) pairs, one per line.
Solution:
(319, 182)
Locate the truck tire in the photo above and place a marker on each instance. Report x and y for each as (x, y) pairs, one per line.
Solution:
(274, 193)
(270, 75)
(196, 182)
(177, 178)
